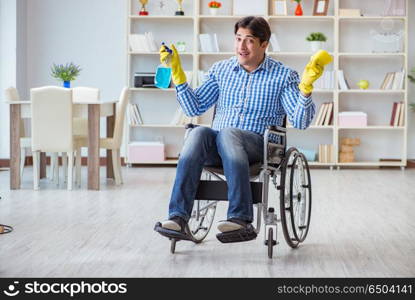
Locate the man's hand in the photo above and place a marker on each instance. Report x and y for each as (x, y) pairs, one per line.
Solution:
(313, 70)
(178, 75)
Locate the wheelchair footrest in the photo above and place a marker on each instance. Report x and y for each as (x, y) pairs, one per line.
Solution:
(236, 236)
(172, 234)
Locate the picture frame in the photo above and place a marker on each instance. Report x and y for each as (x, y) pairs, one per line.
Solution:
(279, 7)
(320, 7)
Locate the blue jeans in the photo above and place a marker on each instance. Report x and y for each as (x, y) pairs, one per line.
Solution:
(232, 148)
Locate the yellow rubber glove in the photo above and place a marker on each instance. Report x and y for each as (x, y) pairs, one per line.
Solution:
(173, 60)
(313, 70)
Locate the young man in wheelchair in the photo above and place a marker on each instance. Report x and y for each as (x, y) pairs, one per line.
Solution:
(251, 91)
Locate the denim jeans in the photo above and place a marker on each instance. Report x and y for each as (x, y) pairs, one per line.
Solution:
(232, 148)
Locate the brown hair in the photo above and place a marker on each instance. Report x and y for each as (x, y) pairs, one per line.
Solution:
(259, 27)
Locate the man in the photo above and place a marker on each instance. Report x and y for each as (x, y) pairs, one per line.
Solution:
(251, 91)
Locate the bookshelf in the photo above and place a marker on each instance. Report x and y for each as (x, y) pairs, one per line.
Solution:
(348, 42)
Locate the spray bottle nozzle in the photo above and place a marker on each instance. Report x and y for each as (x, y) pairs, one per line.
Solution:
(167, 48)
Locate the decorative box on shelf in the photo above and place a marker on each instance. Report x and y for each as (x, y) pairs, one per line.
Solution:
(352, 119)
(145, 152)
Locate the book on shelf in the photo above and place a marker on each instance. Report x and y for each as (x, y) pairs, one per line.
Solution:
(325, 114)
(208, 42)
(343, 84)
(329, 115)
(401, 115)
(394, 107)
(397, 114)
(135, 115)
(325, 153)
(142, 42)
(274, 43)
(326, 81)
(393, 81)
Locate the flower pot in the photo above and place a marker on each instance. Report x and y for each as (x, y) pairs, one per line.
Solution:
(316, 45)
(299, 10)
(67, 84)
(213, 11)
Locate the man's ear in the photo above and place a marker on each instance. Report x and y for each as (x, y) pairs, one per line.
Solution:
(264, 44)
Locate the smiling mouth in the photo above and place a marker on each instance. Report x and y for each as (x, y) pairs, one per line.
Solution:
(243, 54)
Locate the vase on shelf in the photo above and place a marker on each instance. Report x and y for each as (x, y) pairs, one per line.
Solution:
(67, 84)
(213, 11)
(316, 45)
(299, 10)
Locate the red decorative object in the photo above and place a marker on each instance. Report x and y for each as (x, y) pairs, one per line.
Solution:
(299, 10)
(143, 13)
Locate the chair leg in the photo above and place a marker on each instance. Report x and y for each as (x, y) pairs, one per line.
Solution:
(70, 170)
(36, 169)
(119, 165)
(65, 166)
(78, 161)
(22, 161)
(55, 175)
(115, 166)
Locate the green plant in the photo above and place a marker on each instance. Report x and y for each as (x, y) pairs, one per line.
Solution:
(66, 72)
(298, 1)
(316, 37)
(412, 79)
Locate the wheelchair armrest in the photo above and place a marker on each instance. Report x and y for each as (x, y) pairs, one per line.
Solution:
(190, 125)
(274, 152)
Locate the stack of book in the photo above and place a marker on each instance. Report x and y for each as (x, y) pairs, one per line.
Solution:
(325, 115)
(326, 81)
(398, 114)
(142, 42)
(180, 118)
(208, 42)
(325, 153)
(393, 81)
(135, 115)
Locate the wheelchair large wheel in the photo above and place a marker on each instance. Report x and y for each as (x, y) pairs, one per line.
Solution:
(201, 219)
(295, 197)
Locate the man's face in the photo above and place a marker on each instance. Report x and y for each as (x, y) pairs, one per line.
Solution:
(248, 48)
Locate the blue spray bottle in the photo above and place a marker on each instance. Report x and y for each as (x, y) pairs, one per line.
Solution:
(163, 73)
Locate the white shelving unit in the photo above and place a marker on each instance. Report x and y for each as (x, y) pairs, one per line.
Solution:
(348, 42)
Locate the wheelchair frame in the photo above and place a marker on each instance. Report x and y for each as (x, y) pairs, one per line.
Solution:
(295, 201)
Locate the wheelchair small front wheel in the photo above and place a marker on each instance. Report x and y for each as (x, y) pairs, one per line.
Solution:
(295, 197)
(201, 219)
(270, 242)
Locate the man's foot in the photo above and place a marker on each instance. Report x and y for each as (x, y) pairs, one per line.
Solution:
(232, 224)
(174, 223)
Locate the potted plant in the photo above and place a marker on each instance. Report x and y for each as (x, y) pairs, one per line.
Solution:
(316, 40)
(214, 7)
(65, 73)
(299, 9)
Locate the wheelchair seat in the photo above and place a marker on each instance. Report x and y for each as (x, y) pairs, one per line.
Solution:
(254, 169)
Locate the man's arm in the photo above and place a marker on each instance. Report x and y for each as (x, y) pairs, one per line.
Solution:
(300, 109)
(196, 102)
(193, 103)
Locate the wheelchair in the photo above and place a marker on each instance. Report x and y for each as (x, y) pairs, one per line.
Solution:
(289, 173)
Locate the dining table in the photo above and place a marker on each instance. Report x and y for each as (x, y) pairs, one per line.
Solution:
(91, 110)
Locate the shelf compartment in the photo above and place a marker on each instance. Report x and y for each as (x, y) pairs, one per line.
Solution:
(372, 127)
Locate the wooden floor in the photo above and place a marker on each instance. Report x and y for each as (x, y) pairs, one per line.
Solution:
(362, 225)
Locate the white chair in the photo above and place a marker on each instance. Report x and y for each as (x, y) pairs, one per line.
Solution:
(114, 143)
(11, 94)
(80, 126)
(52, 128)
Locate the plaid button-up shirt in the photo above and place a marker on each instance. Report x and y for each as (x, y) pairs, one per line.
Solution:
(249, 101)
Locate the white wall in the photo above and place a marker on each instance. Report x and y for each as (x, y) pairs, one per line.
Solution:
(7, 66)
(92, 34)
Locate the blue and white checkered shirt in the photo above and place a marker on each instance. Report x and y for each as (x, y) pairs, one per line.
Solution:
(249, 101)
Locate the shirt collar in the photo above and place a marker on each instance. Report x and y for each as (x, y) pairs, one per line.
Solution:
(264, 65)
